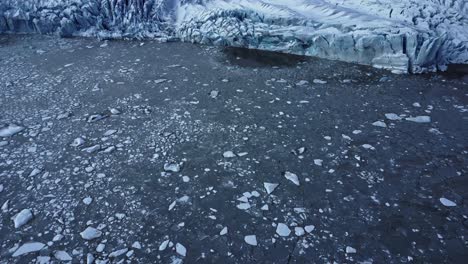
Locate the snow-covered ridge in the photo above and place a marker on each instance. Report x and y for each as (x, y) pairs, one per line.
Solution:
(400, 35)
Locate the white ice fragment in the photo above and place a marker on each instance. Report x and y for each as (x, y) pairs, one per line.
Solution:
(158, 81)
(92, 148)
(229, 154)
(416, 104)
(163, 245)
(62, 255)
(87, 200)
(309, 228)
(5, 206)
(392, 116)
(265, 207)
(368, 146)
(181, 250)
(299, 231)
(255, 194)
(302, 82)
(109, 132)
(136, 245)
(350, 250)
(118, 253)
(318, 162)
(251, 240)
(172, 205)
(185, 179)
(223, 231)
(447, 202)
(419, 119)
(22, 218)
(90, 233)
(28, 248)
(243, 206)
(318, 81)
(379, 124)
(292, 177)
(283, 230)
(214, 94)
(270, 187)
(174, 167)
(10, 129)
(77, 142)
(35, 172)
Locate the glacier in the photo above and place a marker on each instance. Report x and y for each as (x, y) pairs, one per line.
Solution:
(404, 36)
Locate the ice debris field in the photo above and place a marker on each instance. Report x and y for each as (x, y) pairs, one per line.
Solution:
(400, 35)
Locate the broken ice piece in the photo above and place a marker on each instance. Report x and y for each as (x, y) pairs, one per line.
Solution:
(22, 218)
(181, 250)
(92, 148)
(109, 132)
(379, 124)
(392, 116)
(158, 81)
(292, 177)
(163, 245)
(114, 111)
(243, 206)
(283, 230)
(62, 255)
(229, 154)
(172, 166)
(28, 248)
(419, 119)
(118, 253)
(90, 233)
(318, 81)
(318, 162)
(447, 202)
(87, 200)
(136, 245)
(251, 240)
(10, 130)
(350, 250)
(270, 187)
(96, 117)
(302, 82)
(223, 231)
(77, 142)
(172, 205)
(299, 231)
(309, 228)
(214, 94)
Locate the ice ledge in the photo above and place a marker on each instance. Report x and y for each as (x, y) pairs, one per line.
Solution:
(412, 40)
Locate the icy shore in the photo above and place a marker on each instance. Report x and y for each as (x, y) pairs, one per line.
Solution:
(400, 35)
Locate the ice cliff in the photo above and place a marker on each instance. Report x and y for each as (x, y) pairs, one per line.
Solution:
(400, 35)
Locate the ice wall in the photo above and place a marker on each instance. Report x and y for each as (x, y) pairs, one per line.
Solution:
(400, 35)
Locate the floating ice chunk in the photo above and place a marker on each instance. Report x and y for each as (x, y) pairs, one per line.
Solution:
(10, 130)
(368, 146)
(318, 81)
(172, 166)
(379, 124)
(392, 116)
(350, 250)
(318, 162)
(109, 132)
(242, 154)
(270, 187)
(265, 207)
(158, 81)
(299, 231)
(416, 104)
(96, 117)
(309, 228)
(243, 206)
(214, 94)
(163, 245)
(181, 250)
(223, 231)
(251, 240)
(5, 206)
(35, 172)
(92, 148)
(229, 154)
(185, 178)
(22, 218)
(114, 111)
(118, 253)
(77, 142)
(136, 245)
(89, 258)
(87, 200)
(283, 230)
(447, 202)
(90, 233)
(302, 82)
(28, 248)
(62, 255)
(292, 177)
(419, 119)
(172, 205)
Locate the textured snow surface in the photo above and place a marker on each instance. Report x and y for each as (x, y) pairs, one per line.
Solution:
(400, 35)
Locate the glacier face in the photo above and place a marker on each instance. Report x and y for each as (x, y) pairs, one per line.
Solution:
(400, 35)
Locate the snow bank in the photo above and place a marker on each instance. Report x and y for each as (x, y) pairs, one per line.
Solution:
(400, 35)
